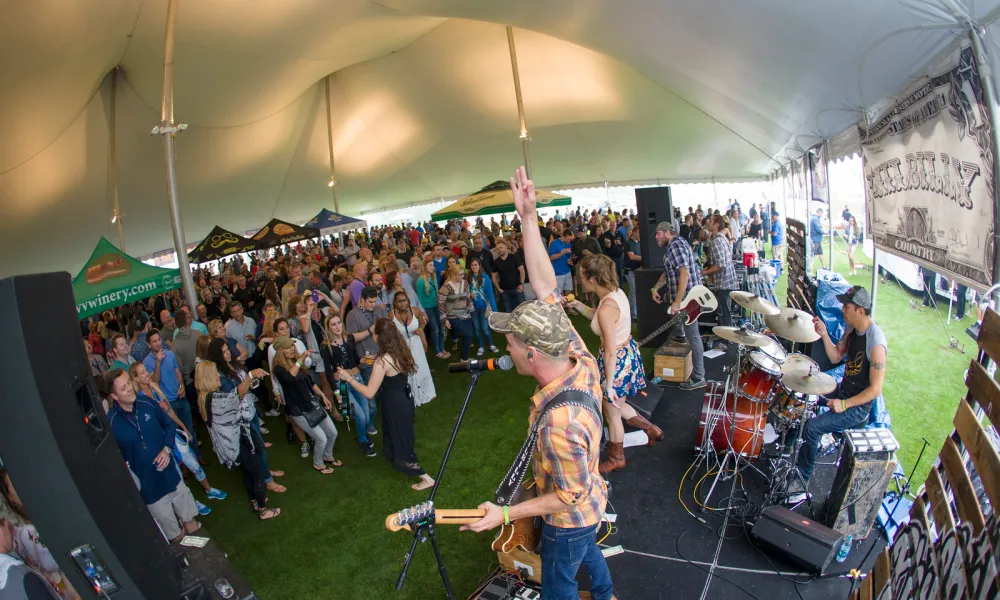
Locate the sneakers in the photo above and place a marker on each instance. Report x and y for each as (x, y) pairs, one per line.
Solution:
(202, 509)
(304, 450)
(494, 349)
(369, 450)
(272, 413)
(692, 384)
(480, 351)
(215, 494)
(372, 430)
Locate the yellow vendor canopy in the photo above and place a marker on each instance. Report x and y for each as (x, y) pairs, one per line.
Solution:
(493, 199)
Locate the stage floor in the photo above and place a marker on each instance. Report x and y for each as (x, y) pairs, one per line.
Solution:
(669, 554)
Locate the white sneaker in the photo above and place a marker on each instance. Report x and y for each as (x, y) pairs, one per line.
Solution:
(264, 430)
(272, 413)
(480, 351)
(494, 349)
(304, 451)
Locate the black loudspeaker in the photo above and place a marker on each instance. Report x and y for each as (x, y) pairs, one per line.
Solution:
(651, 315)
(62, 458)
(801, 541)
(652, 206)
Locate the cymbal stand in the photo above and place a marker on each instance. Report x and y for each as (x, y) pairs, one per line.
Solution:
(781, 468)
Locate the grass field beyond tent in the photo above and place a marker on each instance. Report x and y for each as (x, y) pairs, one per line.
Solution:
(330, 541)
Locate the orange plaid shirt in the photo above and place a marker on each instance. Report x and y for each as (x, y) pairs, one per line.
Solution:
(569, 443)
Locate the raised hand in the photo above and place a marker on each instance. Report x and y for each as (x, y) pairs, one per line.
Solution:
(524, 194)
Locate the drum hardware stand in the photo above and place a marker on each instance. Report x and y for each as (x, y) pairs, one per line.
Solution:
(425, 530)
(780, 469)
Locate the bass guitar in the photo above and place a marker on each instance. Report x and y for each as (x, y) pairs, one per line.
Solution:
(521, 533)
(697, 301)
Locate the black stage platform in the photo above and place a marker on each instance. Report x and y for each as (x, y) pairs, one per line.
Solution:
(669, 554)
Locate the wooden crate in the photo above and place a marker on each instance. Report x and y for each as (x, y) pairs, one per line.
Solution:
(522, 558)
(673, 362)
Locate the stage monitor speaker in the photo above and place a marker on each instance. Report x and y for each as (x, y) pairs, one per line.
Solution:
(59, 451)
(801, 541)
(866, 467)
(652, 205)
(651, 315)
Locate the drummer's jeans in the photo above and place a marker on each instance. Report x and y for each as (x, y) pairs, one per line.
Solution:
(828, 422)
(697, 349)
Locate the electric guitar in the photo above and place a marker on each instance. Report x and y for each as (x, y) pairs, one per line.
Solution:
(699, 300)
(521, 533)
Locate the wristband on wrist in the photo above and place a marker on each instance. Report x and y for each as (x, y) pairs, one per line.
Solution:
(843, 405)
(506, 516)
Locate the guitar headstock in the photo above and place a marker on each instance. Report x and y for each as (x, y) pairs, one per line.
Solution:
(409, 516)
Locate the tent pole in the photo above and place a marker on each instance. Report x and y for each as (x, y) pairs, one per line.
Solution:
(168, 131)
(874, 274)
(520, 102)
(829, 195)
(113, 160)
(976, 34)
(329, 139)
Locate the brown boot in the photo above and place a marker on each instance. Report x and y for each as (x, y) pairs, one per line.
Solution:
(653, 432)
(616, 458)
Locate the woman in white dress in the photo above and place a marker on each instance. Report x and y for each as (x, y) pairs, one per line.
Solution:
(409, 328)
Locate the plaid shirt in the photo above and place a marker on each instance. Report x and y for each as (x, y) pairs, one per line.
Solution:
(721, 255)
(679, 255)
(569, 444)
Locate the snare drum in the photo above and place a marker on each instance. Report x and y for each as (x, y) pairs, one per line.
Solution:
(750, 417)
(760, 378)
(789, 407)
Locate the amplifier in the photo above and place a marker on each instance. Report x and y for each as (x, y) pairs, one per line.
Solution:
(808, 544)
(866, 467)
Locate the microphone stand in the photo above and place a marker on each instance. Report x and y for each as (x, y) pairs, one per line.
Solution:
(425, 530)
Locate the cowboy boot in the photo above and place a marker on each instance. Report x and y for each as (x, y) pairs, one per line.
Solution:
(653, 432)
(616, 458)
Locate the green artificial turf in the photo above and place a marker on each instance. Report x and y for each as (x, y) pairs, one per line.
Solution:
(330, 541)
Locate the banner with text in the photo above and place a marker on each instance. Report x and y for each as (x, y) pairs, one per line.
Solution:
(928, 168)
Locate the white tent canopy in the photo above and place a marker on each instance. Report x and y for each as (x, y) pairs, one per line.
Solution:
(422, 102)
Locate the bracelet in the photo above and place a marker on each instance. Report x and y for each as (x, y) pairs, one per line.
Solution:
(506, 516)
(843, 405)
(298, 364)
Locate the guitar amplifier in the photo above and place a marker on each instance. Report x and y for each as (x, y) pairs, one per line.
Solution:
(795, 538)
(866, 466)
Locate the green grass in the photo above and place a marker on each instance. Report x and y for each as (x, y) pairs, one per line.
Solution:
(330, 541)
(924, 377)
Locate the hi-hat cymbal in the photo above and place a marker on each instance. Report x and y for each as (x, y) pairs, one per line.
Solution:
(811, 381)
(754, 303)
(793, 324)
(741, 336)
(796, 363)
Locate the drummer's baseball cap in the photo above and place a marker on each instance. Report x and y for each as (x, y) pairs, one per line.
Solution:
(538, 324)
(857, 295)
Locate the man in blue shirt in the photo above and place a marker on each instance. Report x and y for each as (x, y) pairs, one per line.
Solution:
(816, 232)
(777, 235)
(559, 253)
(163, 368)
(145, 437)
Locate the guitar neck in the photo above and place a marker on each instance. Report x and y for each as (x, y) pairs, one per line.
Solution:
(442, 516)
(676, 319)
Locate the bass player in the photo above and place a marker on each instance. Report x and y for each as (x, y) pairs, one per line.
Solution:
(571, 493)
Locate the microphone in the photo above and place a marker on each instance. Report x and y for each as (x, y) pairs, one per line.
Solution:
(504, 363)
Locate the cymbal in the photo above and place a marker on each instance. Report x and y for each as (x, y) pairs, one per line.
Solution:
(797, 363)
(793, 324)
(754, 303)
(811, 381)
(742, 336)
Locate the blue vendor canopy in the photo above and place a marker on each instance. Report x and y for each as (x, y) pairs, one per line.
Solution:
(329, 222)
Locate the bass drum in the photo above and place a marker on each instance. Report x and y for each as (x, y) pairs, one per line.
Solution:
(717, 416)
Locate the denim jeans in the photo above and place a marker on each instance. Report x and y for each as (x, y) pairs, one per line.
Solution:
(324, 435)
(366, 375)
(828, 422)
(563, 551)
(255, 426)
(462, 327)
(482, 327)
(183, 409)
(183, 455)
(359, 405)
(434, 329)
(511, 299)
(630, 279)
(697, 348)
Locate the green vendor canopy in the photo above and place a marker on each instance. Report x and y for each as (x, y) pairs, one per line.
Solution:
(112, 278)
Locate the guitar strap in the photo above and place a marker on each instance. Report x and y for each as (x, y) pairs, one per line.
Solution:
(515, 474)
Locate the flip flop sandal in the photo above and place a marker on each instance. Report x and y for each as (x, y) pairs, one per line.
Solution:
(277, 473)
(278, 488)
(334, 462)
(324, 471)
(268, 513)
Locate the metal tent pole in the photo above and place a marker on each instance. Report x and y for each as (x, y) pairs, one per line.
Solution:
(829, 194)
(168, 131)
(520, 102)
(976, 34)
(116, 214)
(329, 139)
(874, 274)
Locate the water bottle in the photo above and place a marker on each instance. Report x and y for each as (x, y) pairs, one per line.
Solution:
(845, 549)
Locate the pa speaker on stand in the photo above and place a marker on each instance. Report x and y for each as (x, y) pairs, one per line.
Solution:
(653, 205)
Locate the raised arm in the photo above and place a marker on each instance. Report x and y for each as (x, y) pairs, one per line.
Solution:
(536, 256)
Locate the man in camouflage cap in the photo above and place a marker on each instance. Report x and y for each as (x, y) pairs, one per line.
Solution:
(566, 409)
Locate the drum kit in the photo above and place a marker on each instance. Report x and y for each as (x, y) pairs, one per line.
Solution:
(767, 393)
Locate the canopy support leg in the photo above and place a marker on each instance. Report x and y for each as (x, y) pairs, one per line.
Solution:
(329, 139)
(520, 102)
(116, 214)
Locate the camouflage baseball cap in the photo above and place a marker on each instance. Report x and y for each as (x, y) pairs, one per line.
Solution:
(537, 324)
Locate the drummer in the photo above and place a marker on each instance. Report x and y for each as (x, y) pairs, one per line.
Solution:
(864, 348)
